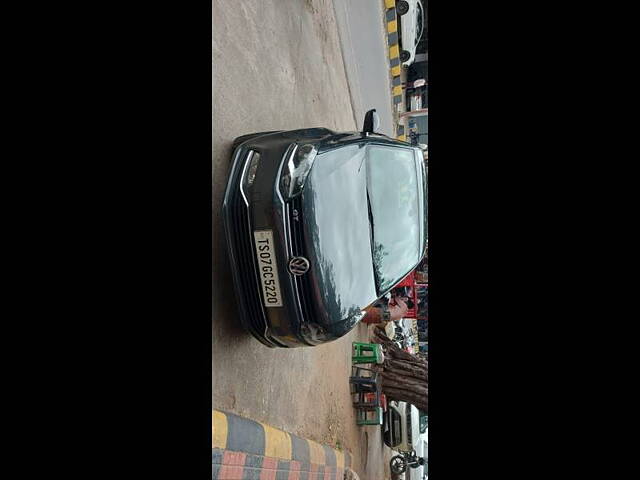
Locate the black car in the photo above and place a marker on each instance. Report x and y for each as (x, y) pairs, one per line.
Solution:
(319, 225)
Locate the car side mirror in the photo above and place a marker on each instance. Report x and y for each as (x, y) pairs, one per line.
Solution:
(371, 122)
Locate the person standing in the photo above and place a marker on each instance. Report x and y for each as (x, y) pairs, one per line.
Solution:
(383, 311)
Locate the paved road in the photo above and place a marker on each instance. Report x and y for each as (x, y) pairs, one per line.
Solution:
(278, 65)
(363, 39)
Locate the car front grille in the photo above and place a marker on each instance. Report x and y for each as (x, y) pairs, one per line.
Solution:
(241, 236)
(303, 282)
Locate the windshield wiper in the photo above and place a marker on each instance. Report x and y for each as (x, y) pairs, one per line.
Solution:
(370, 216)
(373, 243)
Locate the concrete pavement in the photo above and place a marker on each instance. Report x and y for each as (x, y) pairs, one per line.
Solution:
(363, 38)
(278, 64)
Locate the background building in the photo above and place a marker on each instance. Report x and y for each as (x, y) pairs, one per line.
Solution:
(416, 98)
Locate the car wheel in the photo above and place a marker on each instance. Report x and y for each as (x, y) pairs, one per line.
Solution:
(404, 56)
(398, 464)
(402, 7)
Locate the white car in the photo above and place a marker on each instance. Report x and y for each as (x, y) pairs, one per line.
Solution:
(412, 19)
(401, 426)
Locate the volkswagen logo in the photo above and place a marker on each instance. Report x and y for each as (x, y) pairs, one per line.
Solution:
(298, 265)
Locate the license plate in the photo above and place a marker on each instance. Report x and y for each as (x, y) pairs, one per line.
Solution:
(267, 268)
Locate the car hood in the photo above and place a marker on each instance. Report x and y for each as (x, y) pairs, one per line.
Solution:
(337, 239)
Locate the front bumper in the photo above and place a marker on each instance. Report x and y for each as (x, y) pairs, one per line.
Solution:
(261, 208)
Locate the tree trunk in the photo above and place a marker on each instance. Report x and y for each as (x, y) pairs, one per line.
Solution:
(410, 369)
(404, 376)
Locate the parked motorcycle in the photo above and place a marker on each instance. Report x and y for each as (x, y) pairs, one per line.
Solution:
(399, 463)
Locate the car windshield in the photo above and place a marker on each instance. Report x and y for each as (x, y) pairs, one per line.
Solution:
(392, 187)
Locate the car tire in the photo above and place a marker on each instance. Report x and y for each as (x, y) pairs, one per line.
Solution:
(398, 464)
(402, 7)
(404, 56)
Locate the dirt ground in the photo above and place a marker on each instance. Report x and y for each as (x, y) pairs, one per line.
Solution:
(278, 65)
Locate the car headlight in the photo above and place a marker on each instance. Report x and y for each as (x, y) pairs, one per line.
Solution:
(296, 170)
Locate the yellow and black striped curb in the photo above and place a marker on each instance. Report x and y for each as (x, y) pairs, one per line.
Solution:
(394, 58)
(238, 434)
